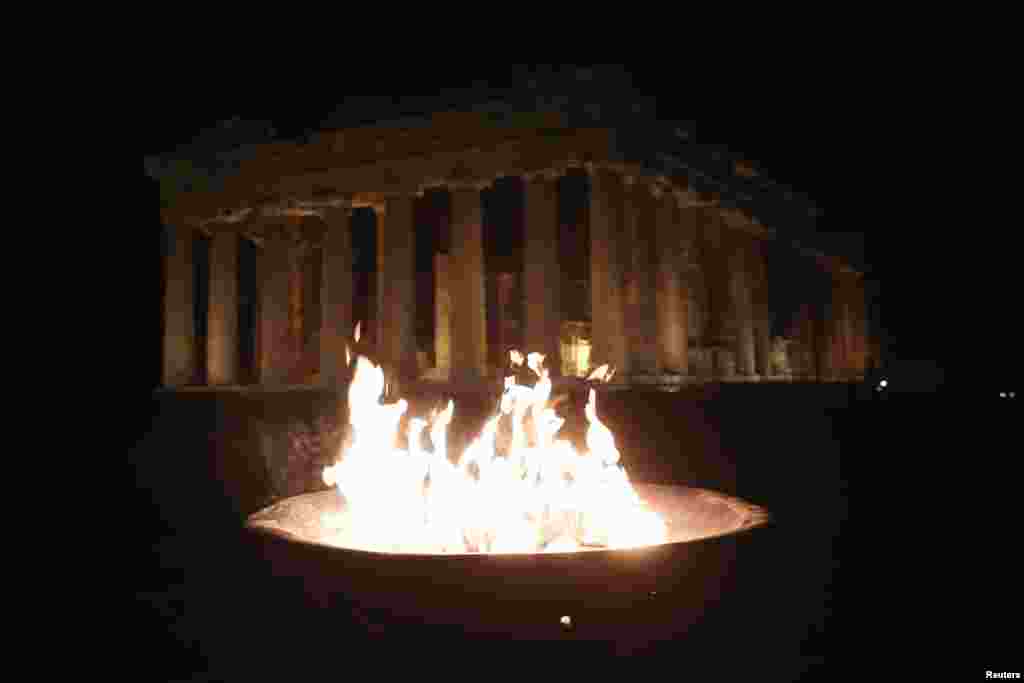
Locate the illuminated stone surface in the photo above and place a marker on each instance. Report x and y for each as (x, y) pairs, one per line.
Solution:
(396, 289)
(335, 296)
(641, 312)
(278, 346)
(179, 355)
(442, 315)
(222, 329)
(672, 294)
(638, 289)
(608, 326)
(541, 274)
(466, 275)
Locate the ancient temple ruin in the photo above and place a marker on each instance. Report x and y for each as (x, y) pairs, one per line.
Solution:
(675, 285)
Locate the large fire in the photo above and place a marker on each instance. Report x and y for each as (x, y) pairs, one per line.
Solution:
(539, 495)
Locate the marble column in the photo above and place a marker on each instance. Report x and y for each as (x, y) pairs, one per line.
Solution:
(742, 308)
(396, 287)
(311, 309)
(693, 280)
(468, 315)
(830, 333)
(608, 334)
(831, 363)
(297, 255)
(672, 295)
(803, 349)
(719, 334)
(762, 314)
(859, 335)
(854, 325)
(843, 329)
(641, 311)
(504, 287)
(335, 295)
(179, 352)
(541, 272)
(823, 338)
(222, 326)
(800, 353)
(278, 352)
(442, 315)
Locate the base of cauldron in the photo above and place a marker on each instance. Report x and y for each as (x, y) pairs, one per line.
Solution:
(629, 597)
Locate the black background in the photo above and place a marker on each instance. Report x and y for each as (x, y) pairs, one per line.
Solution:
(850, 145)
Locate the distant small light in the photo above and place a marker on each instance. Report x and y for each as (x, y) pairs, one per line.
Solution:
(1012, 394)
(884, 383)
(1002, 394)
(566, 622)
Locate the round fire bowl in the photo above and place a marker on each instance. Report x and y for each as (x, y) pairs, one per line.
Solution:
(640, 595)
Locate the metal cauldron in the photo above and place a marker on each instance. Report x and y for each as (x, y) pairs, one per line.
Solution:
(637, 596)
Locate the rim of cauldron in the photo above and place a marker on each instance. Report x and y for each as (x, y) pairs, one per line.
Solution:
(755, 517)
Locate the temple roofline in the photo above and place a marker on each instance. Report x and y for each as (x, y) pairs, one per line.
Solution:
(291, 176)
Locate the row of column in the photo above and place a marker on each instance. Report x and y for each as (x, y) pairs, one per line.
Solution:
(654, 257)
(657, 264)
(279, 344)
(281, 348)
(847, 329)
(642, 265)
(830, 337)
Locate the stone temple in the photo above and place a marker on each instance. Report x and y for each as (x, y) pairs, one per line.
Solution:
(667, 284)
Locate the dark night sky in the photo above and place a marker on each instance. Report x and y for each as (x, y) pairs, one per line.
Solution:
(822, 140)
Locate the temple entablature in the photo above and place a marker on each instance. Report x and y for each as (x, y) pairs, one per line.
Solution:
(287, 179)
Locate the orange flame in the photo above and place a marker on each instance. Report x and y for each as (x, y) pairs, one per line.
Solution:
(540, 496)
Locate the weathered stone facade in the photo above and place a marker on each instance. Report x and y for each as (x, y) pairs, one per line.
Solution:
(678, 283)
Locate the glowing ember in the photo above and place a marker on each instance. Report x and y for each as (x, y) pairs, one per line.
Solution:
(541, 495)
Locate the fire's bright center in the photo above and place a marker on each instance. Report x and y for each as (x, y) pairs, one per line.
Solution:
(542, 495)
